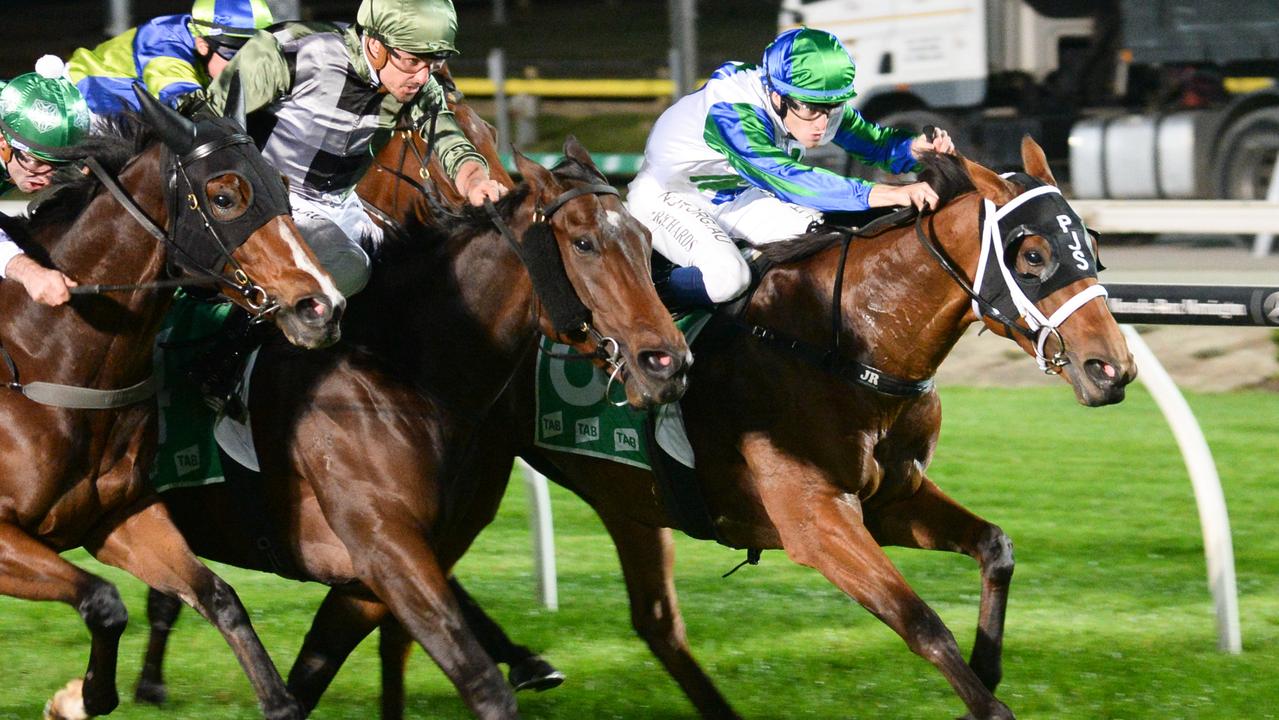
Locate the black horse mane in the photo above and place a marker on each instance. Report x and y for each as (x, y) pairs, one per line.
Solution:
(114, 144)
(945, 173)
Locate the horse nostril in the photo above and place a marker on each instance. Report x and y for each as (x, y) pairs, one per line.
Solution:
(314, 311)
(659, 363)
(1101, 372)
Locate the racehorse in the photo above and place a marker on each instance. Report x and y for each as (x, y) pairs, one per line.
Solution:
(866, 324)
(360, 445)
(79, 413)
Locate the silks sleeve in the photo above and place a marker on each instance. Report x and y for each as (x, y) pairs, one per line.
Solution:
(884, 148)
(451, 144)
(263, 73)
(743, 133)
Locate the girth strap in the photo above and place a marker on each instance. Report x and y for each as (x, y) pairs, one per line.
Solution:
(80, 398)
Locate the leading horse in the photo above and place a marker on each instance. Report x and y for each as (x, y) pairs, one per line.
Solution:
(361, 445)
(814, 420)
(78, 412)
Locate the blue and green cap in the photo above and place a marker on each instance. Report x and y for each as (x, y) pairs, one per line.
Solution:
(810, 65)
(223, 19)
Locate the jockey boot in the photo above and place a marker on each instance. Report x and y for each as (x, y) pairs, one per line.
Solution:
(220, 370)
(683, 290)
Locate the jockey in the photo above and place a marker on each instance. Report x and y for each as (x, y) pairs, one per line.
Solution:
(174, 56)
(40, 113)
(317, 94)
(727, 161)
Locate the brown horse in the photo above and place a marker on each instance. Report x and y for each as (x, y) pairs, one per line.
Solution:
(829, 482)
(361, 445)
(80, 427)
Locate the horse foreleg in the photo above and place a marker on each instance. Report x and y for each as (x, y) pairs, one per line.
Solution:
(931, 520)
(647, 555)
(31, 571)
(146, 544)
(343, 620)
(528, 670)
(821, 527)
(162, 612)
(393, 648)
(403, 571)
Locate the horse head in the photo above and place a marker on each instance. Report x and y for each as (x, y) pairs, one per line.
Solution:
(229, 218)
(604, 252)
(1040, 262)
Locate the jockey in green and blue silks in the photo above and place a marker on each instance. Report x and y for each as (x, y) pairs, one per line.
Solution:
(41, 113)
(174, 56)
(728, 161)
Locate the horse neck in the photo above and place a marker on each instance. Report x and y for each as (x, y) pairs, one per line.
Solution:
(99, 341)
(471, 318)
(901, 312)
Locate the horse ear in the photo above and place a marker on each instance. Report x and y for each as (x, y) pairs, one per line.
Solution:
(1033, 159)
(574, 149)
(535, 175)
(234, 107)
(176, 131)
(989, 184)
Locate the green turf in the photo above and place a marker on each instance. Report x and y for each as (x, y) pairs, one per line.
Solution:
(1110, 616)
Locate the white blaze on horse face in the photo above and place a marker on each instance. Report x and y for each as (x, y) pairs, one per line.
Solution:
(303, 261)
(613, 218)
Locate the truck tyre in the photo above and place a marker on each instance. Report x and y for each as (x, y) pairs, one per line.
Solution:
(1245, 159)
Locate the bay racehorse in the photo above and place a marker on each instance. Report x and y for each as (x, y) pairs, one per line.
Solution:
(78, 412)
(814, 420)
(360, 446)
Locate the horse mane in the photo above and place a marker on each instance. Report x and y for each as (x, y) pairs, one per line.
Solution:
(945, 173)
(114, 144)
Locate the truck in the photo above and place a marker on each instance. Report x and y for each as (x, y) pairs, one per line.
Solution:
(1129, 98)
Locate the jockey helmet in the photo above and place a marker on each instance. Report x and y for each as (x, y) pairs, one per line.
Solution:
(230, 21)
(811, 66)
(414, 26)
(42, 112)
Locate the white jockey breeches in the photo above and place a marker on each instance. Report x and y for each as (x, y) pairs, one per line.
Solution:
(689, 230)
(341, 234)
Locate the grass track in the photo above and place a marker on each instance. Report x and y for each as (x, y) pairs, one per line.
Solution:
(1110, 616)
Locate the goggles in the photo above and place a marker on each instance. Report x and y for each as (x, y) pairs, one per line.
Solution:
(807, 111)
(411, 64)
(33, 164)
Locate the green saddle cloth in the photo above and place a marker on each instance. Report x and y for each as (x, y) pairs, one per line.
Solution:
(188, 454)
(575, 416)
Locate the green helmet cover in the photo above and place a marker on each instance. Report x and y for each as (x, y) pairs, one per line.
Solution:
(229, 18)
(43, 112)
(415, 26)
(810, 65)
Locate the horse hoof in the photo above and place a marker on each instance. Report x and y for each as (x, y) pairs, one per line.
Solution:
(150, 693)
(535, 674)
(67, 703)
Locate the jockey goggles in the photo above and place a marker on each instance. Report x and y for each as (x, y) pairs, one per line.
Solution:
(34, 165)
(809, 111)
(413, 64)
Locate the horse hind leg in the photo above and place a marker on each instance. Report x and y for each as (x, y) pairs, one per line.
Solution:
(162, 612)
(931, 520)
(344, 619)
(647, 556)
(146, 544)
(31, 571)
(527, 669)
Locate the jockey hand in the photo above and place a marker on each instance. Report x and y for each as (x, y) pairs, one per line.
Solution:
(917, 194)
(44, 285)
(941, 143)
(474, 183)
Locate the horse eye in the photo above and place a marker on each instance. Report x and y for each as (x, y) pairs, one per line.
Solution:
(223, 201)
(583, 244)
(1034, 257)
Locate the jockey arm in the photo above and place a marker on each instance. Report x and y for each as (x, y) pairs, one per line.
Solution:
(43, 284)
(465, 166)
(745, 135)
(262, 71)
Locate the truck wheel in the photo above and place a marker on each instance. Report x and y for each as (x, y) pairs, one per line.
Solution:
(1245, 160)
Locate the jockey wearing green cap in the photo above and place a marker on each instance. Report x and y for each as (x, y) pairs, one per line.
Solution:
(40, 113)
(174, 56)
(320, 97)
(727, 161)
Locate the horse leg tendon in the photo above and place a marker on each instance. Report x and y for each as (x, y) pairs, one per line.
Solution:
(31, 571)
(147, 545)
(162, 612)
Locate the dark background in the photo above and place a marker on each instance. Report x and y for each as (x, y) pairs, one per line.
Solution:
(555, 38)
